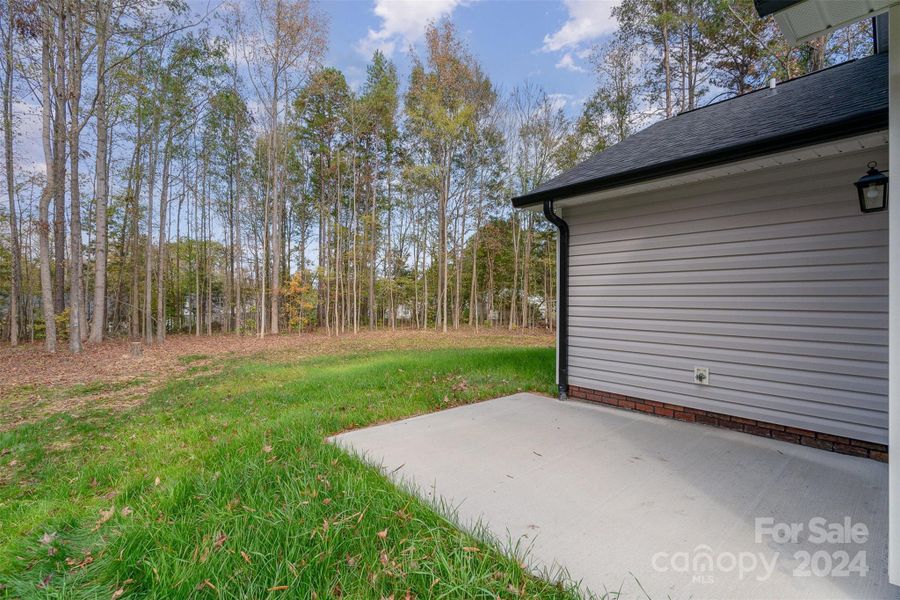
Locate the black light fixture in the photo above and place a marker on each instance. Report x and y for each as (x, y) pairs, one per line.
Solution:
(873, 190)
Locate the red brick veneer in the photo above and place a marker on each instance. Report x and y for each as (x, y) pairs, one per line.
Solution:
(824, 441)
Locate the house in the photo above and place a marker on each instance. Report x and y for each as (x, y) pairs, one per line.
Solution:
(720, 269)
(721, 266)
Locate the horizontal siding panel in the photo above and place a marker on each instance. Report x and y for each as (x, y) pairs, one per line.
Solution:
(861, 352)
(773, 279)
(699, 213)
(834, 303)
(788, 331)
(714, 204)
(819, 319)
(701, 224)
(751, 249)
(824, 367)
(873, 259)
(773, 209)
(855, 407)
(866, 287)
(778, 231)
(852, 272)
(851, 382)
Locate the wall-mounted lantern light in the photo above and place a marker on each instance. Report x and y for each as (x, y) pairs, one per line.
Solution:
(873, 190)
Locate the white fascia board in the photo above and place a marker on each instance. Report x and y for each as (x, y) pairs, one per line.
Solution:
(806, 20)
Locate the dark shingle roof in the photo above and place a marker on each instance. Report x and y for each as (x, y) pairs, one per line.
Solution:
(767, 7)
(841, 101)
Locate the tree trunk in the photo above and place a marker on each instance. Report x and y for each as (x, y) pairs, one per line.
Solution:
(98, 322)
(48, 192)
(354, 238)
(263, 272)
(161, 249)
(77, 320)
(16, 275)
(238, 251)
(207, 242)
(516, 235)
(667, 63)
(458, 259)
(152, 159)
(442, 220)
(526, 271)
(372, 245)
(59, 163)
(473, 294)
(388, 252)
(134, 317)
(276, 216)
(196, 244)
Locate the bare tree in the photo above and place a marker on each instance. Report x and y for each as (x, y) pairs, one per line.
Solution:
(287, 43)
(101, 194)
(50, 186)
(15, 251)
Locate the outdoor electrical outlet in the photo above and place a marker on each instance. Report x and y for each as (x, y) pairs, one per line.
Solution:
(701, 375)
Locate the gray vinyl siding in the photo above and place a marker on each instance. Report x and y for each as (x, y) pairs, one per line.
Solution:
(772, 279)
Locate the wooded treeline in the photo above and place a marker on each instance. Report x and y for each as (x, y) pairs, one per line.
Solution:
(205, 174)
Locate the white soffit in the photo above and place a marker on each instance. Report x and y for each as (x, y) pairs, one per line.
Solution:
(806, 20)
(845, 146)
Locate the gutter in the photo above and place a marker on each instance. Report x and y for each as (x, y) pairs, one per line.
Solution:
(867, 122)
(562, 302)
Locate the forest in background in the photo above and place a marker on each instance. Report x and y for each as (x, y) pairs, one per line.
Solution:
(211, 174)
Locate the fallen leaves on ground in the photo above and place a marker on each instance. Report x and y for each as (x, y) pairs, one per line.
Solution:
(80, 564)
(47, 538)
(110, 363)
(105, 515)
(45, 582)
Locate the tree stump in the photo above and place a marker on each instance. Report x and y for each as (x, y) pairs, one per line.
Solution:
(137, 349)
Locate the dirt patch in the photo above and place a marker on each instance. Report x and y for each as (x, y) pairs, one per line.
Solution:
(36, 384)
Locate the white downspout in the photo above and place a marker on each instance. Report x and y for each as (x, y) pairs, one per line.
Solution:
(894, 296)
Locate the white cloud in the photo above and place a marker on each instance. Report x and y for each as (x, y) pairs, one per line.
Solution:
(568, 63)
(356, 77)
(29, 149)
(559, 101)
(403, 22)
(588, 20)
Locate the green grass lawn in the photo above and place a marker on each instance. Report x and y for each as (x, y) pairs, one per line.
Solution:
(221, 485)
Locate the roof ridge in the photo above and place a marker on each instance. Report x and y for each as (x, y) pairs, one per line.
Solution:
(785, 82)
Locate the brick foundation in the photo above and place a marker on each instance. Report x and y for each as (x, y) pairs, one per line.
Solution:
(805, 437)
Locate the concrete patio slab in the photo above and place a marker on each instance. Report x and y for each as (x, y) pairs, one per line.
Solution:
(645, 506)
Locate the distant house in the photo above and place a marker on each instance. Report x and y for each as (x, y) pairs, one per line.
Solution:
(719, 267)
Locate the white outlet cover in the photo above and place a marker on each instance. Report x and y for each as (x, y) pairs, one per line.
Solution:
(701, 375)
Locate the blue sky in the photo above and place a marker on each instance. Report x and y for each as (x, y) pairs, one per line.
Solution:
(544, 41)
